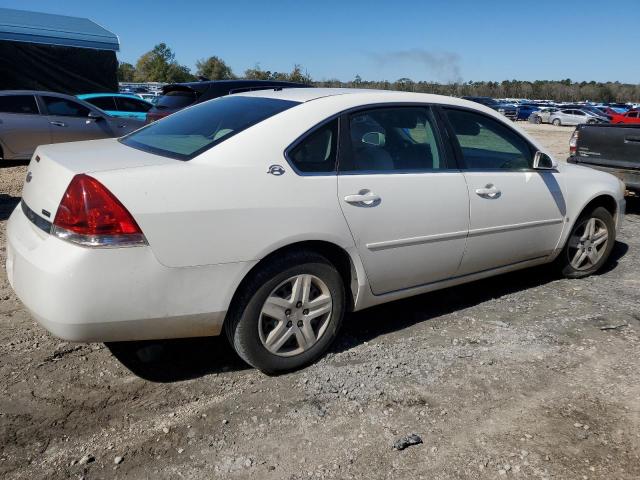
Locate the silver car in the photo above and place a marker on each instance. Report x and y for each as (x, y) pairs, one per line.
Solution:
(573, 116)
(32, 118)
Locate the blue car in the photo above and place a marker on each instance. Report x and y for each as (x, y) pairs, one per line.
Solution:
(525, 110)
(119, 104)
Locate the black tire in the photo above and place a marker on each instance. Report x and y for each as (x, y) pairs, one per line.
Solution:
(557, 122)
(242, 324)
(538, 120)
(564, 259)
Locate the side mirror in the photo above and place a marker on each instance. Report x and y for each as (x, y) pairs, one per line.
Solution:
(95, 116)
(376, 139)
(542, 161)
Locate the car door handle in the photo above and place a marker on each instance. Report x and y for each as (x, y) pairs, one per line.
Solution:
(489, 191)
(58, 124)
(364, 198)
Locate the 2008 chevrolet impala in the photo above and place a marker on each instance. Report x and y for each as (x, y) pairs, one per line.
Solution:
(270, 214)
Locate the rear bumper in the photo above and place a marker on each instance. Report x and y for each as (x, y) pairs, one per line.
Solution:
(631, 178)
(92, 294)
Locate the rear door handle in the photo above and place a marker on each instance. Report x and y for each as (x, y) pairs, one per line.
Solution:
(489, 191)
(58, 124)
(364, 198)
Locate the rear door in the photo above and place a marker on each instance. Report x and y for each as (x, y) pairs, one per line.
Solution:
(22, 127)
(516, 213)
(70, 121)
(406, 204)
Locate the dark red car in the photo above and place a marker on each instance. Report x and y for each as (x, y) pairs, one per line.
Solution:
(180, 95)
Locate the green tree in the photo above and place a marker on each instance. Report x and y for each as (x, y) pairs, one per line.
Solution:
(159, 65)
(256, 73)
(126, 72)
(214, 68)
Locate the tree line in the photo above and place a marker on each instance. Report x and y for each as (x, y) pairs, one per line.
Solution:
(160, 65)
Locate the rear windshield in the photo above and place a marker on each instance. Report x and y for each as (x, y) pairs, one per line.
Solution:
(187, 133)
(176, 99)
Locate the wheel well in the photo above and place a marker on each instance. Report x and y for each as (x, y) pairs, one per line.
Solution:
(332, 252)
(605, 201)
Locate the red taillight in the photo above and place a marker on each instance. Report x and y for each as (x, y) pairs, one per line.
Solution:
(573, 143)
(90, 214)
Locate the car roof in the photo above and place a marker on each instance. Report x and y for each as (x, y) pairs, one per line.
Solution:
(363, 96)
(96, 95)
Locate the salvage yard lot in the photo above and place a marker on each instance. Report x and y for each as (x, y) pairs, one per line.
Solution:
(519, 376)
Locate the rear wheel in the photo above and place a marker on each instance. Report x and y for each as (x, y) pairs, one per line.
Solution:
(589, 245)
(557, 122)
(288, 314)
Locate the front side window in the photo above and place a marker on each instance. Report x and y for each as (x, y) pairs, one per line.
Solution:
(317, 152)
(488, 144)
(25, 104)
(103, 103)
(399, 139)
(64, 107)
(188, 133)
(126, 104)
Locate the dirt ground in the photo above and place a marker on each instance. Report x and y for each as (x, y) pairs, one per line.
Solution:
(520, 376)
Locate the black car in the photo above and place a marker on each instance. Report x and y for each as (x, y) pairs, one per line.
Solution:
(180, 95)
(508, 110)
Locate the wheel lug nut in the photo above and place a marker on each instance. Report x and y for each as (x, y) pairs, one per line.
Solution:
(305, 312)
(289, 323)
(300, 323)
(298, 305)
(287, 312)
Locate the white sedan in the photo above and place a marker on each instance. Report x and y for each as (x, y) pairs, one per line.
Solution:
(270, 214)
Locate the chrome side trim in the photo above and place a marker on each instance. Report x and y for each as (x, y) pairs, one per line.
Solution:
(405, 242)
(516, 226)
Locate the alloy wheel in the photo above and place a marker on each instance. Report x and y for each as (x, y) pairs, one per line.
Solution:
(295, 315)
(588, 244)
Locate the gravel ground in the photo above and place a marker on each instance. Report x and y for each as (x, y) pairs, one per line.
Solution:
(519, 376)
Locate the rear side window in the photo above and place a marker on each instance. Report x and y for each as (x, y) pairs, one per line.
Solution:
(132, 105)
(64, 107)
(176, 99)
(104, 103)
(487, 144)
(18, 104)
(187, 133)
(317, 152)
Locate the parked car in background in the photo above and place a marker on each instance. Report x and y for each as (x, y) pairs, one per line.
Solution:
(31, 118)
(525, 110)
(632, 116)
(152, 98)
(268, 215)
(543, 115)
(180, 95)
(119, 104)
(572, 116)
(507, 109)
(611, 148)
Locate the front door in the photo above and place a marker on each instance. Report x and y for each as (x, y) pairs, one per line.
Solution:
(405, 203)
(22, 128)
(516, 213)
(70, 121)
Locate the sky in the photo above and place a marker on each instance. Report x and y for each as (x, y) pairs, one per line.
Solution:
(443, 41)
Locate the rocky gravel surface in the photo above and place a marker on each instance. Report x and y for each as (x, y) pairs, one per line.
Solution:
(521, 376)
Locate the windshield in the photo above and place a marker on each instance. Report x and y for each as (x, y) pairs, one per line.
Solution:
(188, 133)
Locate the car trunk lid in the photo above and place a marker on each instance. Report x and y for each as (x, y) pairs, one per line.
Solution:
(53, 166)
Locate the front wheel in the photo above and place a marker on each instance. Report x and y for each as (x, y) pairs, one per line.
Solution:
(589, 245)
(557, 122)
(289, 313)
(538, 120)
